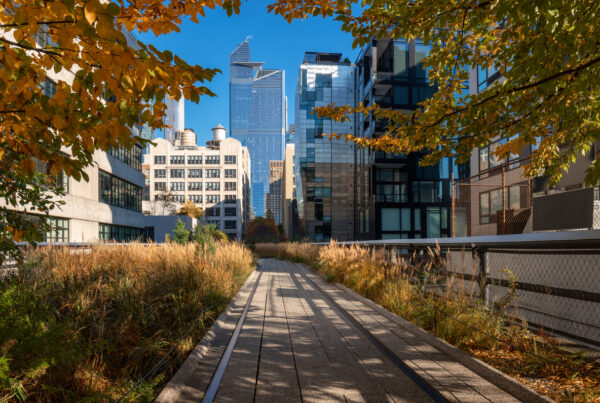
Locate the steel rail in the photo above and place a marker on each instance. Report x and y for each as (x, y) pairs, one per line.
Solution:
(217, 378)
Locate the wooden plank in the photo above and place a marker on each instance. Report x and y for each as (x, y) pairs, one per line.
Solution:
(277, 378)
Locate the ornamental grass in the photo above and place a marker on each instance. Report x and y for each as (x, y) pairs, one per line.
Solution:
(88, 323)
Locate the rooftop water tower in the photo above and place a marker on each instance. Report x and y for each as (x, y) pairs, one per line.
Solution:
(219, 132)
(188, 138)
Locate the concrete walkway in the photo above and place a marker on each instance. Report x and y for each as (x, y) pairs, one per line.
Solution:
(306, 340)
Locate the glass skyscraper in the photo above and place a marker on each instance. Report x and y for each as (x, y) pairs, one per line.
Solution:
(257, 116)
(324, 168)
(396, 197)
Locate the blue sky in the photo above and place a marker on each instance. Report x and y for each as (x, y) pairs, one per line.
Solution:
(274, 41)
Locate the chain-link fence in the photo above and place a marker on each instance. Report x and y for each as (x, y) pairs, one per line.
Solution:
(503, 202)
(492, 205)
(550, 280)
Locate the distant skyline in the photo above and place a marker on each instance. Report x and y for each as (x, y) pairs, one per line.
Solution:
(279, 44)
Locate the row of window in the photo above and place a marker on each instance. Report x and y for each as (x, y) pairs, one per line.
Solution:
(228, 199)
(227, 224)
(120, 233)
(488, 160)
(57, 228)
(119, 193)
(194, 159)
(193, 186)
(423, 192)
(490, 203)
(216, 212)
(406, 223)
(131, 157)
(194, 173)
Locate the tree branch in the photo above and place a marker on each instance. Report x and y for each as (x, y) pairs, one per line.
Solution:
(517, 89)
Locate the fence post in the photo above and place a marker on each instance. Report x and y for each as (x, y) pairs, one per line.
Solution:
(482, 276)
(503, 203)
(452, 197)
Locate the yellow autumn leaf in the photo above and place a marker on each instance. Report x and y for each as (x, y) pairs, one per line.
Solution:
(90, 12)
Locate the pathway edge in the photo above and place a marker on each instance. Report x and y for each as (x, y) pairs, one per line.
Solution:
(212, 340)
(486, 371)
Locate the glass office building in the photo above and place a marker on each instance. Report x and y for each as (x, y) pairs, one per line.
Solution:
(395, 196)
(324, 169)
(257, 117)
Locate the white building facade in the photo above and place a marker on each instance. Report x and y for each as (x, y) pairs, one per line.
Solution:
(215, 177)
(106, 207)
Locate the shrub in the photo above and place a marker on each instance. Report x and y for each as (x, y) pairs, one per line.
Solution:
(180, 234)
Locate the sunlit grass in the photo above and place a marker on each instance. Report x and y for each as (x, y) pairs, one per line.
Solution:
(88, 323)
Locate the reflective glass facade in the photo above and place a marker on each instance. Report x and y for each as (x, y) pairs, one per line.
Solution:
(324, 170)
(395, 196)
(257, 117)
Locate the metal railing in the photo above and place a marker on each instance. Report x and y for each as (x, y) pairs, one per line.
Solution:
(555, 276)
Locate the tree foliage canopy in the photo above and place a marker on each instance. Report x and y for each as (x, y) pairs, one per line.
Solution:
(190, 209)
(104, 84)
(262, 229)
(547, 51)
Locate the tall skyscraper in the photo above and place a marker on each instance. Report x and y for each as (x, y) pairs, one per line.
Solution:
(324, 169)
(396, 197)
(257, 116)
(175, 117)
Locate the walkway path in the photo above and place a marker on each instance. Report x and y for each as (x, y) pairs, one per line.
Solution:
(305, 340)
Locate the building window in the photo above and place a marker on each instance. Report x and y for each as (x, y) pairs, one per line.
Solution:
(57, 229)
(230, 211)
(120, 233)
(230, 159)
(41, 37)
(323, 80)
(230, 224)
(58, 181)
(160, 173)
(213, 212)
(213, 198)
(178, 186)
(427, 191)
(486, 76)
(212, 186)
(194, 185)
(212, 159)
(160, 186)
(117, 192)
(160, 159)
(230, 186)
(131, 157)
(490, 203)
(179, 198)
(194, 173)
(230, 173)
(177, 159)
(177, 173)
(194, 159)
(229, 199)
(213, 173)
(391, 186)
(195, 198)
(488, 160)
(421, 52)
(48, 88)
(216, 223)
